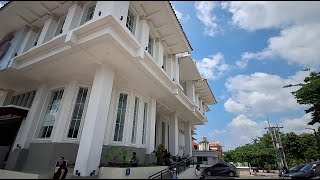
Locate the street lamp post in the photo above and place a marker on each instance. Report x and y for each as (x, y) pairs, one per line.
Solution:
(317, 139)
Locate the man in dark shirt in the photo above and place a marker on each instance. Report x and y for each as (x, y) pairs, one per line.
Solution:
(60, 171)
(134, 160)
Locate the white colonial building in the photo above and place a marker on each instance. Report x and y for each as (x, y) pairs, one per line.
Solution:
(79, 77)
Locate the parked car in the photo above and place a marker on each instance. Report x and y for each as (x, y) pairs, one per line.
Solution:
(222, 169)
(309, 171)
(291, 170)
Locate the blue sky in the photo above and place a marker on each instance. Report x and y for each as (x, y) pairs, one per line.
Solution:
(249, 51)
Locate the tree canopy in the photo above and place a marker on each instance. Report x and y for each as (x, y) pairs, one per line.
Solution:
(261, 153)
(309, 94)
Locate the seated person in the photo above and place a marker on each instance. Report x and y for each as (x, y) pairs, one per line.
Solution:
(60, 170)
(198, 172)
(134, 160)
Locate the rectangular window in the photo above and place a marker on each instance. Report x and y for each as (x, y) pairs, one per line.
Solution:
(77, 113)
(37, 38)
(51, 114)
(145, 118)
(60, 26)
(163, 133)
(131, 21)
(90, 13)
(164, 64)
(135, 118)
(150, 44)
(122, 107)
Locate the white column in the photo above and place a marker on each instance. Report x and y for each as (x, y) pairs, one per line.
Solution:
(143, 34)
(48, 30)
(92, 137)
(175, 69)
(188, 138)
(151, 126)
(169, 66)
(174, 133)
(190, 91)
(67, 105)
(73, 18)
(28, 125)
(116, 8)
(28, 41)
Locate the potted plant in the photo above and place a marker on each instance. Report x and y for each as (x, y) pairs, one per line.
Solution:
(160, 154)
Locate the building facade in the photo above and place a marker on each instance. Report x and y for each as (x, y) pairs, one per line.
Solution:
(203, 154)
(77, 77)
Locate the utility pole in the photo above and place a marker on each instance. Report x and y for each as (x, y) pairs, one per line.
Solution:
(277, 144)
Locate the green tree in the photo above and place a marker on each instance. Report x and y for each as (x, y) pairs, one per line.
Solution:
(309, 94)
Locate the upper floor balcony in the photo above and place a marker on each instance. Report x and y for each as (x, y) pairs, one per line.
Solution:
(147, 30)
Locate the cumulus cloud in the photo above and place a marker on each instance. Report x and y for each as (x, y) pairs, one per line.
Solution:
(1, 4)
(298, 45)
(204, 12)
(245, 129)
(213, 67)
(297, 125)
(254, 15)
(298, 40)
(180, 16)
(261, 93)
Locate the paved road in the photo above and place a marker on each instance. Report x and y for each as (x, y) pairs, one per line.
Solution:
(244, 177)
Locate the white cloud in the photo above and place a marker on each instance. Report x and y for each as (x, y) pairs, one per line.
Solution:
(212, 67)
(298, 40)
(253, 15)
(204, 12)
(260, 93)
(297, 44)
(1, 4)
(297, 125)
(244, 129)
(180, 16)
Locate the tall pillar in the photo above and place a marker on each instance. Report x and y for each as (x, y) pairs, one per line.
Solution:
(92, 137)
(66, 109)
(190, 91)
(143, 34)
(28, 125)
(175, 66)
(73, 18)
(188, 138)
(151, 126)
(28, 41)
(48, 30)
(174, 134)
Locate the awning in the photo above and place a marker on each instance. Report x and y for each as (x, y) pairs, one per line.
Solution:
(12, 114)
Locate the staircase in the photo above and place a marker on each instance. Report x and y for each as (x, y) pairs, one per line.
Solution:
(180, 166)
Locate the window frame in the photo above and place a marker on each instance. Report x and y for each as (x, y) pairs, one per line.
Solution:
(62, 18)
(44, 107)
(86, 8)
(134, 130)
(164, 61)
(75, 95)
(35, 44)
(152, 44)
(145, 119)
(125, 117)
(135, 15)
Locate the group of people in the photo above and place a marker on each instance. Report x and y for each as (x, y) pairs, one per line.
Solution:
(61, 170)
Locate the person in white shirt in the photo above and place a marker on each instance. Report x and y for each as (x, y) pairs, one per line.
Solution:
(198, 172)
